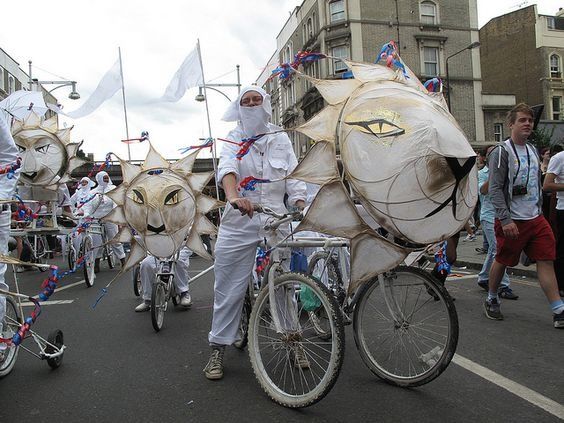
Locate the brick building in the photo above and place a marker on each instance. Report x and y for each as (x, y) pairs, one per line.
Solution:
(427, 32)
(521, 54)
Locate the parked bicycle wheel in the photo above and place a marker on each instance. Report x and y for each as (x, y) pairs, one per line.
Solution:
(89, 258)
(407, 330)
(296, 368)
(71, 257)
(40, 252)
(10, 326)
(325, 268)
(137, 286)
(158, 305)
(55, 340)
(110, 256)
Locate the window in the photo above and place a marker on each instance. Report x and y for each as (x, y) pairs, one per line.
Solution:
(555, 70)
(11, 84)
(550, 23)
(1, 79)
(556, 108)
(287, 56)
(428, 13)
(431, 61)
(309, 29)
(341, 52)
(337, 10)
(498, 132)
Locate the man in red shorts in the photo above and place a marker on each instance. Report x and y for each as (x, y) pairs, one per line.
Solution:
(516, 193)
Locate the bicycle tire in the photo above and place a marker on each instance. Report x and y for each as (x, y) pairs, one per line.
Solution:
(110, 256)
(40, 253)
(137, 286)
(417, 349)
(89, 260)
(324, 358)
(71, 257)
(55, 338)
(9, 327)
(158, 305)
(244, 323)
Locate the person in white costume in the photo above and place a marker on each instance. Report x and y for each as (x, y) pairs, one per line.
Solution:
(270, 157)
(181, 279)
(81, 194)
(98, 208)
(8, 156)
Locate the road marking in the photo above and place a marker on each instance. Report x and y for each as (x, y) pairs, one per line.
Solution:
(51, 302)
(81, 282)
(457, 278)
(515, 388)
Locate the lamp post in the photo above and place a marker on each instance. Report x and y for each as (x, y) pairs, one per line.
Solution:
(470, 47)
(74, 95)
(201, 89)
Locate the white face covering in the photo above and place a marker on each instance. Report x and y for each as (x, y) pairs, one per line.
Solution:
(254, 120)
(85, 188)
(102, 185)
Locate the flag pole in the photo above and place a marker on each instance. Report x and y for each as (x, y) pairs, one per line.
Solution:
(124, 106)
(214, 151)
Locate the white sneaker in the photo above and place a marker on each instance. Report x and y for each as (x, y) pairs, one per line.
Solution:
(469, 237)
(144, 306)
(185, 300)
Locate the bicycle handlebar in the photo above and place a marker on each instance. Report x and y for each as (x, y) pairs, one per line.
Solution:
(281, 217)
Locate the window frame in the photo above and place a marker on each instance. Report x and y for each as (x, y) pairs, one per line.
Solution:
(557, 73)
(342, 13)
(2, 85)
(556, 114)
(550, 22)
(498, 132)
(434, 16)
(437, 61)
(338, 65)
(11, 84)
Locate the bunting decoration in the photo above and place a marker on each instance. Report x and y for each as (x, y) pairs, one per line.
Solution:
(207, 143)
(245, 145)
(434, 85)
(249, 183)
(389, 53)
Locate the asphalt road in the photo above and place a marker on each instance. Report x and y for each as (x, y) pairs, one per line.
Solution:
(116, 368)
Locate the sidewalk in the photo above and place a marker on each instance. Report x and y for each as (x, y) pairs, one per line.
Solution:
(469, 257)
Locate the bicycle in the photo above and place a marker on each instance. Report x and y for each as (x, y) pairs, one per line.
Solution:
(88, 250)
(404, 322)
(16, 329)
(292, 363)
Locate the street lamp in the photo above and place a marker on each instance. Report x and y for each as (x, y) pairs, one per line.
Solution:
(470, 47)
(74, 95)
(201, 88)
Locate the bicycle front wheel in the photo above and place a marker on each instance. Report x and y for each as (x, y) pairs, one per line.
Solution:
(87, 251)
(71, 257)
(10, 325)
(407, 332)
(158, 305)
(294, 365)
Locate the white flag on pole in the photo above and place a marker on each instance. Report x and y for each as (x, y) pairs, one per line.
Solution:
(188, 75)
(107, 87)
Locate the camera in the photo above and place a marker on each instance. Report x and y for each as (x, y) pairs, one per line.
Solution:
(519, 190)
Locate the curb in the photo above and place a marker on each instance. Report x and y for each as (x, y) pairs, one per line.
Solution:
(515, 271)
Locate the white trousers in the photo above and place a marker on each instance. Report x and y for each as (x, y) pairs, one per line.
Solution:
(181, 277)
(235, 252)
(111, 231)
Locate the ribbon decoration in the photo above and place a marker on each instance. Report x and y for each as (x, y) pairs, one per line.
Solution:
(10, 169)
(434, 85)
(443, 266)
(249, 183)
(302, 57)
(48, 288)
(245, 145)
(262, 260)
(389, 53)
(24, 213)
(207, 143)
(144, 137)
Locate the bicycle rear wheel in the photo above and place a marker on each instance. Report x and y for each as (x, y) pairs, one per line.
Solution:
(407, 336)
(110, 256)
(71, 257)
(158, 305)
(89, 260)
(296, 368)
(244, 323)
(137, 286)
(10, 325)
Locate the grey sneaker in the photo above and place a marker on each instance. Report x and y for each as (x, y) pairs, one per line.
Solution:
(493, 309)
(185, 300)
(144, 306)
(214, 368)
(559, 320)
(300, 358)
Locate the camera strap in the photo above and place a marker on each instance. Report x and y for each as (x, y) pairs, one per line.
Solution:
(519, 162)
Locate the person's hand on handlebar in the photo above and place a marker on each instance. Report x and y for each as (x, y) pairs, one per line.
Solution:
(244, 205)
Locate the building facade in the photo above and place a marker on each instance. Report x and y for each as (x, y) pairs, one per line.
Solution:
(522, 55)
(427, 32)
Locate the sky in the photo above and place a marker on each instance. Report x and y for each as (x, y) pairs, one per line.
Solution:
(79, 39)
